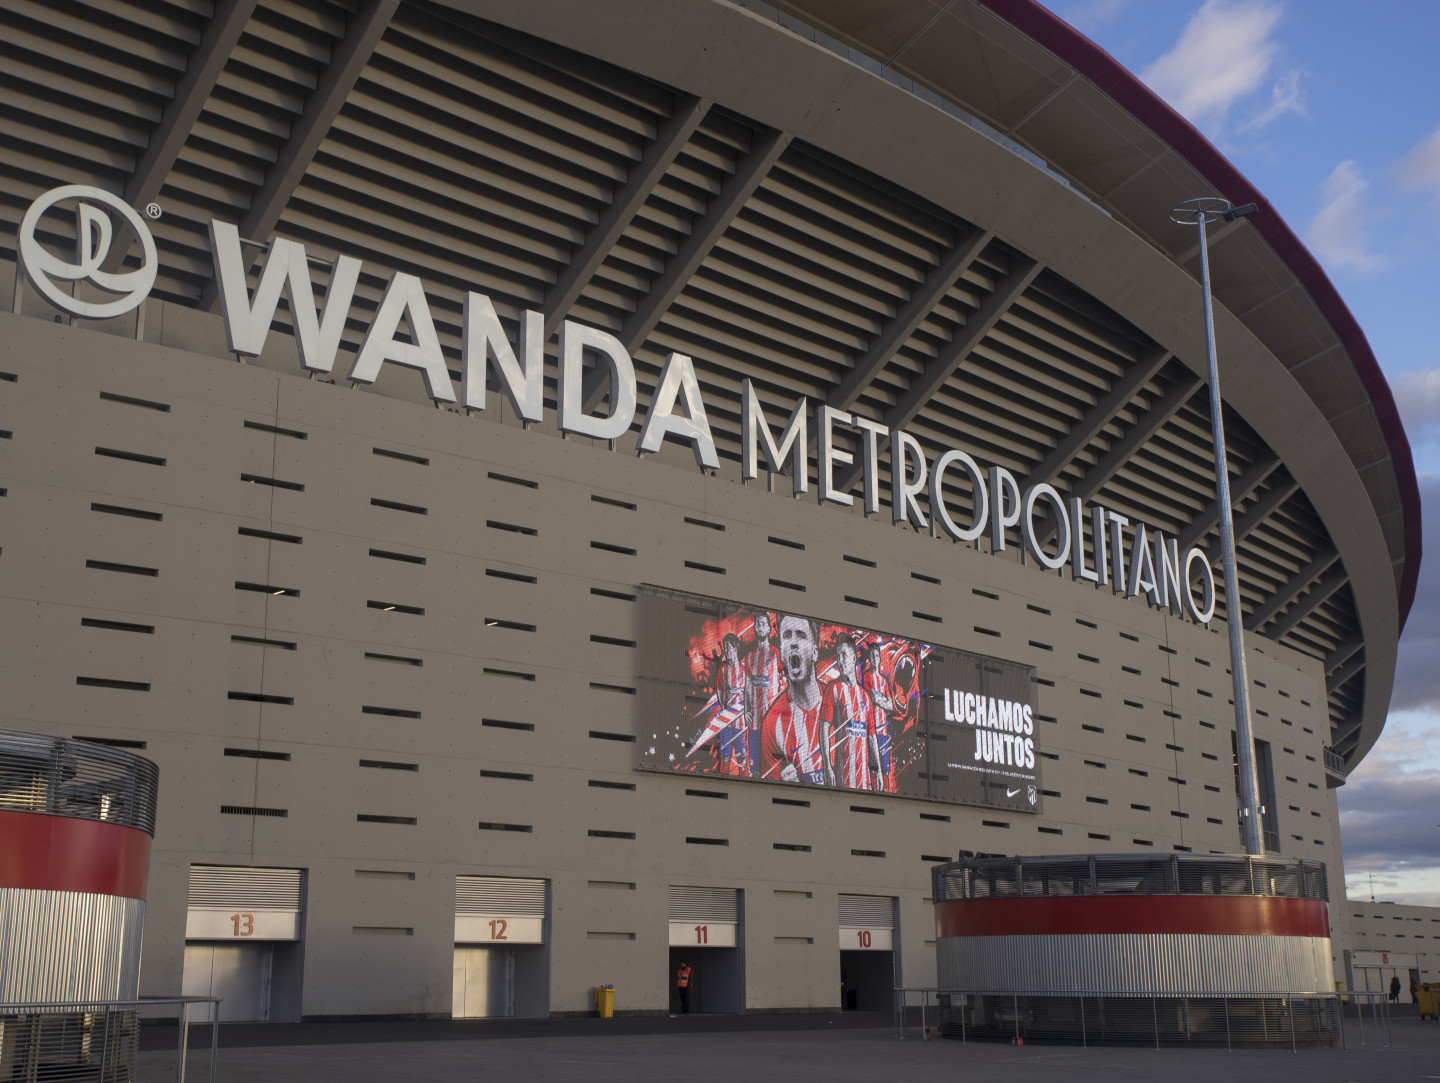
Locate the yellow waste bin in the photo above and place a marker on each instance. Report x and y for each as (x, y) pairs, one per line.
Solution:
(1430, 1000)
(605, 1000)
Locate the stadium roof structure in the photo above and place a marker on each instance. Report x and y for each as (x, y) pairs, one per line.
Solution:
(951, 215)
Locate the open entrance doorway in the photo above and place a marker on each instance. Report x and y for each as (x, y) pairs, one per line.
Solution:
(501, 965)
(243, 942)
(705, 933)
(867, 955)
(867, 981)
(714, 980)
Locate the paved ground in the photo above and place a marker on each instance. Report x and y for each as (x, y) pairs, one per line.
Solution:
(795, 1049)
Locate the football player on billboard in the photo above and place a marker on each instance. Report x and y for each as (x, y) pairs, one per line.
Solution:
(877, 684)
(764, 681)
(728, 719)
(792, 742)
(849, 725)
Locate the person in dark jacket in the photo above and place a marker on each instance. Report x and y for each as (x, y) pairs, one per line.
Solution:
(1394, 989)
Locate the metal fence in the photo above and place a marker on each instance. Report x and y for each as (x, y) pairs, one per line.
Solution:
(95, 1042)
(1119, 1017)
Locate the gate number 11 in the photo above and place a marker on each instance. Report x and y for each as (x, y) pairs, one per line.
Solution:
(702, 934)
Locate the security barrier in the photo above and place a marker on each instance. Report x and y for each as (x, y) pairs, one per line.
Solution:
(96, 1042)
(1146, 1018)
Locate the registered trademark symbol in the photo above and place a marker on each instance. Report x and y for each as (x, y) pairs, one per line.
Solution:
(152, 210)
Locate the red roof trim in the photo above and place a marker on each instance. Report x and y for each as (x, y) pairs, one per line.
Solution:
(1075, 49)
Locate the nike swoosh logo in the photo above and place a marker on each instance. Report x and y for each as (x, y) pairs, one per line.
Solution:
(1011, 793)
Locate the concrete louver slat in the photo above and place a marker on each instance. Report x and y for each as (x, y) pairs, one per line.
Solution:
(1258, 512)
(1290, 590)
(613, 221)
(842, 231)
(937, 283)
(613, 96)
(1344, 673)
(976, 327)
(738, 188)
(127, 76)
(1331, 582)
(1139, 433)
(1249, 480)
(1343, 653)
(167, 46)
(523, 123)
(349, 58)
(1101, 414)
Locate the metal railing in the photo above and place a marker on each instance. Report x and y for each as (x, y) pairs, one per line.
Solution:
(1057, 875)
(1130, 1017)
(62, 776)
(1334, 761)
(98, 1042)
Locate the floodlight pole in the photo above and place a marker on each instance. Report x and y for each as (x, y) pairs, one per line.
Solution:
(1200, 213)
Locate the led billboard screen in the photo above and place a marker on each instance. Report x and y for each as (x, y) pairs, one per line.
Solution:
(745, 692)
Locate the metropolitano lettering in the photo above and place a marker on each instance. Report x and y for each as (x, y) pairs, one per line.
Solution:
(1150, 565)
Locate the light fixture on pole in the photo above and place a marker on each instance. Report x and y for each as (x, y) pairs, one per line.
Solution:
(1200, 213)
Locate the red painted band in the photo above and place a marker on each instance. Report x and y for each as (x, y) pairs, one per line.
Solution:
(61, 853)
(1213, 915)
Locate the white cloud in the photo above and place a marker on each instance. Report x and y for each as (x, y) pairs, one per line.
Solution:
(1337, 233)
(1225, 54)
(1417, 678)
(1419, 168)
(1387, 813)
(1417, 394)
(1285, 97)
(1087, 15)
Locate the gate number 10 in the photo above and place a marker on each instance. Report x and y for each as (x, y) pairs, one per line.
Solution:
(863, 935)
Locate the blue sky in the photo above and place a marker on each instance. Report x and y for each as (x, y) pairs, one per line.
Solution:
(1330, 109)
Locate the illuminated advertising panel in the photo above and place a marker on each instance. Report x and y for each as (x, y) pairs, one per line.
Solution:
(742, 692)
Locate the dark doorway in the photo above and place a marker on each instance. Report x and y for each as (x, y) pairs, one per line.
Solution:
(867, 981)
(714, 980)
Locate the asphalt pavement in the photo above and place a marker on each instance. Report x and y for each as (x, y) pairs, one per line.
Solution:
(790, 1048)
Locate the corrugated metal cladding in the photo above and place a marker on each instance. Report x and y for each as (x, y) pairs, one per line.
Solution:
(500, 895)
(241, 887)
(867, 911)
(1136, 962)
(718, 905)
(65, 945)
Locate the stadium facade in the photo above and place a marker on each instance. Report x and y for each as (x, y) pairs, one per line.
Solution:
(429, 518)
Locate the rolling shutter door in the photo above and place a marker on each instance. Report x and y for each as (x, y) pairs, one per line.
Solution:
(499, 909)
(867, 923)
(706, 917)
(237, 902)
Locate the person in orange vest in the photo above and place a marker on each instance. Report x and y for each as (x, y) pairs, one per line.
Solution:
(682, 986)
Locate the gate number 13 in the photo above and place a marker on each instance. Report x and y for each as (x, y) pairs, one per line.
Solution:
(243, 924)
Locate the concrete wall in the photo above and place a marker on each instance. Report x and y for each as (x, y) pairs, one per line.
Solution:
(1138, 755)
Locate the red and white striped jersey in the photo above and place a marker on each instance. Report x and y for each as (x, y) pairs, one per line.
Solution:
(791, 736)
(849, 711)
(766, 677)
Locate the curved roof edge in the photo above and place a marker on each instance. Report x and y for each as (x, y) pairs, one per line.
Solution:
(1051, 32)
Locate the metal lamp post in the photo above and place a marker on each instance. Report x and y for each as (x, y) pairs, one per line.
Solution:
(1200, 213)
